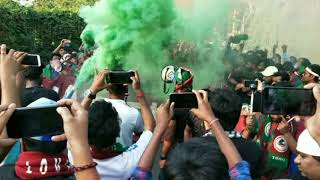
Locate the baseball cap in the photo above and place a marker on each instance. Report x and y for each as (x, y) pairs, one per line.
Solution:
(307, 145)
(269, 71)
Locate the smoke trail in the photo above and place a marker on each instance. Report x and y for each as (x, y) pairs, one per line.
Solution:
(207, 26)
(128, 28)
(140, 34)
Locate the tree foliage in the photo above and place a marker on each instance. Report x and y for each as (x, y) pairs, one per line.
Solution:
(34, 31)
(61, 5)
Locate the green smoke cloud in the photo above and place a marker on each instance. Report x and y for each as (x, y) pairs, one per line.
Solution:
(138, 34)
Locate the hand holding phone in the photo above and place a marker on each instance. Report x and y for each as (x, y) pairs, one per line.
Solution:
(34, 121)
(204, 111)
(120, 77)
(30, 60)
(184, 100)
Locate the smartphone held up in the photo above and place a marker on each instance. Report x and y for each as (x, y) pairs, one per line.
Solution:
(120, 77)
(30, 60)
(34, 121)
(184, 100)
(288, 101)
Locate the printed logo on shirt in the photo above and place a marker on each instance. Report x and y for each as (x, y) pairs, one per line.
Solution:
(267, 128)
(280, 144)
(134, 146)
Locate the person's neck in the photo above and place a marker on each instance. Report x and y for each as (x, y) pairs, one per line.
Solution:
(31, 84)
(113, 96)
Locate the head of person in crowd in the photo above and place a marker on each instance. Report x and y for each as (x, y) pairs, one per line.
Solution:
(279, 66)
(74, 58)
(301, 65)
(226, 105)
(280, 76)
(277, 59)
(55, 61)
(104, 125)
(61, 51)
(308, 158)
(184, 80)
(293, 59)
(33, 90)
(199, 158)
(311, 74)
(288, 67)
(33, 76)
(42, 144)
(261, 65)
(268, 73)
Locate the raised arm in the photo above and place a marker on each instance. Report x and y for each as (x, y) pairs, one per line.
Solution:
(61, 45)
(205, 113)
(75, 123)
(99, 83)
(10, 65)
(146, 113)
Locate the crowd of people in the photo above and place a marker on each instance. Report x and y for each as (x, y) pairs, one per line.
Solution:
(223, 138)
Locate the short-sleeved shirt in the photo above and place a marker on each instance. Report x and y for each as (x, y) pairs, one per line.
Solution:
(121, 166)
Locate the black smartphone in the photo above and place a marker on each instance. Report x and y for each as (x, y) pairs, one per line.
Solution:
(120, 77)
(251, 84)
(31, 60)
(257, 102)
(288, 101)
(184, 100)
(34, 121)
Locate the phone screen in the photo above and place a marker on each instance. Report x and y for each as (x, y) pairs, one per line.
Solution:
(250, 84)
(31, 122)
(32, 60)
(288, 101)
(120, 77)
(184, 100)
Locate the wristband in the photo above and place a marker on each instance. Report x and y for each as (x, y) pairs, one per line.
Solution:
(140, 94)
(81, 168)
(212, 121)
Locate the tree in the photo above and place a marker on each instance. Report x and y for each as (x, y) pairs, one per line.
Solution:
(61, 5)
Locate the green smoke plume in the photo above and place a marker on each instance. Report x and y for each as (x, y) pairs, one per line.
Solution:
(141, 34)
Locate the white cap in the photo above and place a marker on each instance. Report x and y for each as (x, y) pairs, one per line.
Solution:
(269, 71)
(307, 145)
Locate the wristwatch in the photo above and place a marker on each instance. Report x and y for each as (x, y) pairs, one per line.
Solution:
(88, 93)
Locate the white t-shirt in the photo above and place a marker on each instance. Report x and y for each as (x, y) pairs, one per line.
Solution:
(131, 121)
(122, 166)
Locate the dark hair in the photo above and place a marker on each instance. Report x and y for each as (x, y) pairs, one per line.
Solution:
(283, 84)
(197, 159)
(118, 89)
(46, 147)
(33, 94)
(305, 62)
(279, 66)
(226, 105)
(33, 73)
(56, 54)
(315, 68)
(104, 125)
(288, 66)
(293, 59)
(284, 75)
